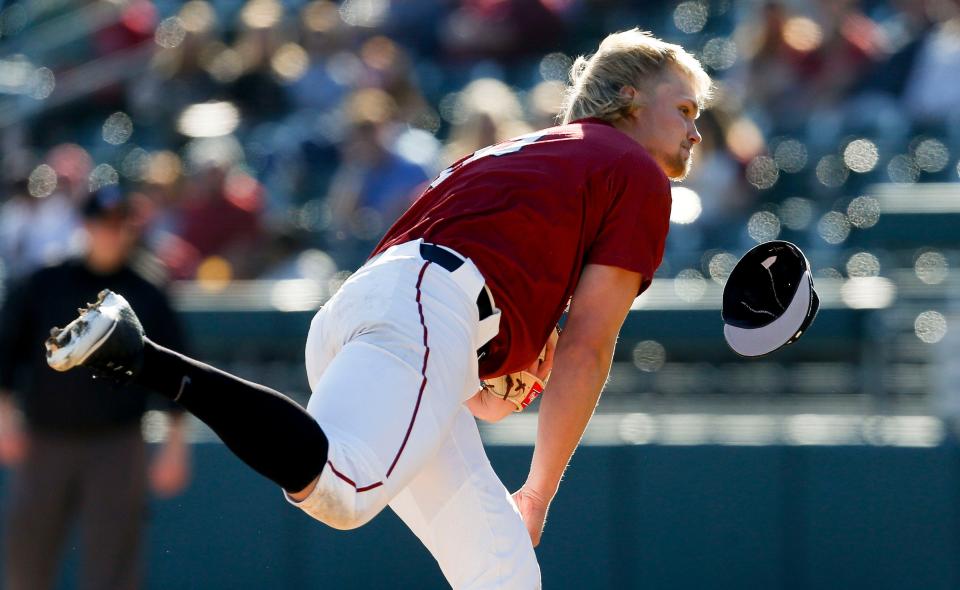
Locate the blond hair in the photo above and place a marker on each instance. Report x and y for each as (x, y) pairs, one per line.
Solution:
(631, 58)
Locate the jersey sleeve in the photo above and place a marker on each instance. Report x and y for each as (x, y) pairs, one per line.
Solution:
(633, 230)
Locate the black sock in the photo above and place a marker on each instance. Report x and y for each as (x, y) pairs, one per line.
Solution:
(267, 430)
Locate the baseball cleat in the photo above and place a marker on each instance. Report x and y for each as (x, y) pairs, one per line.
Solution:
(107, 338)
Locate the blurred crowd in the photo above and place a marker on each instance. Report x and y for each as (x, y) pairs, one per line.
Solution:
(268, 139)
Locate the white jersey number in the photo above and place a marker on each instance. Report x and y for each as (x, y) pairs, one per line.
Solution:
(500, 149)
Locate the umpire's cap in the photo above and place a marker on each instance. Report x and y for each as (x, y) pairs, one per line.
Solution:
(768, 301)
(107, 202)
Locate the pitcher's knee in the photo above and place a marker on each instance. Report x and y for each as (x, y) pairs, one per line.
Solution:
(349, 518)
(341, 510)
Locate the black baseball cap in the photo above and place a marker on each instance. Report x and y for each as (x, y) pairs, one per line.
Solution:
(769, 299)
(107, 202)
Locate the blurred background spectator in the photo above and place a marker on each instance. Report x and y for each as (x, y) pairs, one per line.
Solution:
(374, 183)
(325, 117)
(74, 443)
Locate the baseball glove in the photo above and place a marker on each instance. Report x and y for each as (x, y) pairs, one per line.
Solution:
(520, 388)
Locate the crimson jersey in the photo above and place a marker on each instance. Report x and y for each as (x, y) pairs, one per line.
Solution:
(532, 212)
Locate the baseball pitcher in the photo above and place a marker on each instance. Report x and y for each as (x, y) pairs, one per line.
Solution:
(468, 285)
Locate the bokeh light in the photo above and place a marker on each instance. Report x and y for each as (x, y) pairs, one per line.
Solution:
(868, 292)
(863, 264)
(720, 266)
(42, 181)
(379, 53)
(139, 17)
(861, 155)
(802, 34)
(762, 172)
(225, 65)
(212, 119)
(763, 226)
(489, 96)
(117, 129)
(833, 227)
(197, 16)
(450, 111)
(345, 68)
(689, 285)
(931, 155)
(170, 33)
(796, 213)
(832, 171)
(135, 164)
(205, 152)
(290, 62)
(364, 13)
(261, 14)
(744, 139)
(418, 146)
(321, 16)
(930, 326)
(214, 274)
(649, 356)
(719, 53)
(931, 267)
(790, 155)
(164, 168)
(691, 17)
(686, 205)
(103, 175)
(555, 66)
(316, 264)
(903, 169)
(863, 212)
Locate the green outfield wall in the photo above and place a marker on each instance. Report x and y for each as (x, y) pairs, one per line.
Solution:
(651, 517)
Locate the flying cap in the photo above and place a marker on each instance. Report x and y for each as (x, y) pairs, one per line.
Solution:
(768, 300)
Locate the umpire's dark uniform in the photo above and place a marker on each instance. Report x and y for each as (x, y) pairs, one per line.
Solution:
(86, 457)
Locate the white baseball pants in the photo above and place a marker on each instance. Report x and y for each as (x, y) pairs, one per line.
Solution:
(390, 360)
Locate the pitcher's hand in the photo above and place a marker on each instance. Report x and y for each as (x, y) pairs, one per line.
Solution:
(533, 509)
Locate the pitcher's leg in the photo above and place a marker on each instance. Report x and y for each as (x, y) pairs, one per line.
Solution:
(463, 514)
(264, 428)
(384, 420)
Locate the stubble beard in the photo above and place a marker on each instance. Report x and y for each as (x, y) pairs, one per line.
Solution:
(678, 166)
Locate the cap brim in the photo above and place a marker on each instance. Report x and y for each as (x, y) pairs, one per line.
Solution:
(766, 339)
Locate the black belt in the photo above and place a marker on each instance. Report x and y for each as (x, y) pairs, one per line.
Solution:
(448, 260)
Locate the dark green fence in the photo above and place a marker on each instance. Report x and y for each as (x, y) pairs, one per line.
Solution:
(651, 517)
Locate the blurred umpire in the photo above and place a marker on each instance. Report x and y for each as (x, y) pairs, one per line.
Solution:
(75, 446)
